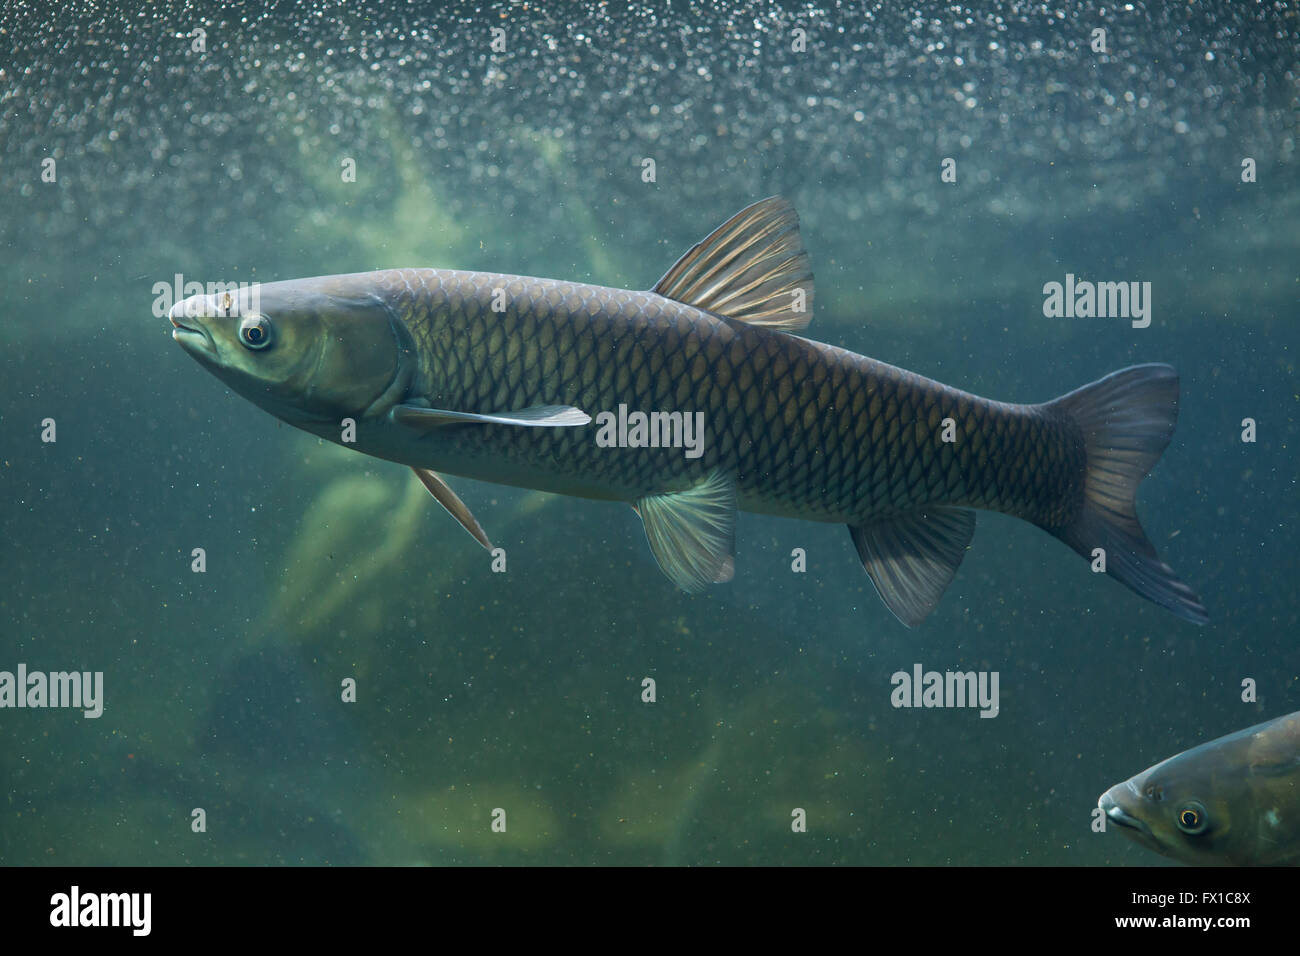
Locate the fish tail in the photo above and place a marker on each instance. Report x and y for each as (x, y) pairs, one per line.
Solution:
(1127, 420)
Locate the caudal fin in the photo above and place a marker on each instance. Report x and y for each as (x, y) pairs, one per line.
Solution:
(1127, 419)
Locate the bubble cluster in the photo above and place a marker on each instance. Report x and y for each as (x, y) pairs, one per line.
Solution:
(200, 121)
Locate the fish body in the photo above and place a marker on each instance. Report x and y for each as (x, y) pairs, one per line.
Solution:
(1232, 801)
(532, 382)
(808, 430)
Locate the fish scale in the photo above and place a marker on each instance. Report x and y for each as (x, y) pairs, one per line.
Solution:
(809, 430)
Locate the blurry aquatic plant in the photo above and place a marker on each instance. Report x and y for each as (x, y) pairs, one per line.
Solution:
(414, 228)
(356, 529)
(732, 794)
(364, 526)
(459, 818)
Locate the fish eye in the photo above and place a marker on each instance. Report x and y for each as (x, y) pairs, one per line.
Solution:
(1192, 818)
(255, 331)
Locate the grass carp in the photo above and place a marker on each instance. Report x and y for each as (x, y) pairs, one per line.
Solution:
(693, 401)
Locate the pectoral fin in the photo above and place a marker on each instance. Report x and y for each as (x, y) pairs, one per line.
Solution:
(693, 532)
(443, 494)
(912, 558)
(539, 416)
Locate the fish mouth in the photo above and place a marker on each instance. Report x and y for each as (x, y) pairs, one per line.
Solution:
(195, 339)
(1120, 817)
(1133, 828)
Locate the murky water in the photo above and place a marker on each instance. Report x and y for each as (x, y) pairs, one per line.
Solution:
(177, 139)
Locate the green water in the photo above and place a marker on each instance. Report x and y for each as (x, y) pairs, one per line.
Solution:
(523, 690)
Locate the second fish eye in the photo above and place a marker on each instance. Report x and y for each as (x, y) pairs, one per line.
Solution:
(1192, 818)
(255, 332)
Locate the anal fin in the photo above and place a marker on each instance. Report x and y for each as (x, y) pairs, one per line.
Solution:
(912, 558)
(693, 532)
(443, 494)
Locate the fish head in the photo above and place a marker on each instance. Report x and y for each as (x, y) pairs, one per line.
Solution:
(307, 350)
(1182, 808)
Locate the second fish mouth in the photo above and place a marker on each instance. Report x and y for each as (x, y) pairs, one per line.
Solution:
(1117, 815)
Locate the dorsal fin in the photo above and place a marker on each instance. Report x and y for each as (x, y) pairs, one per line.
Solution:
(752, 268)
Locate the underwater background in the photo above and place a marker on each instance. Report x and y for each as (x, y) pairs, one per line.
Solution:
(522, 690)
